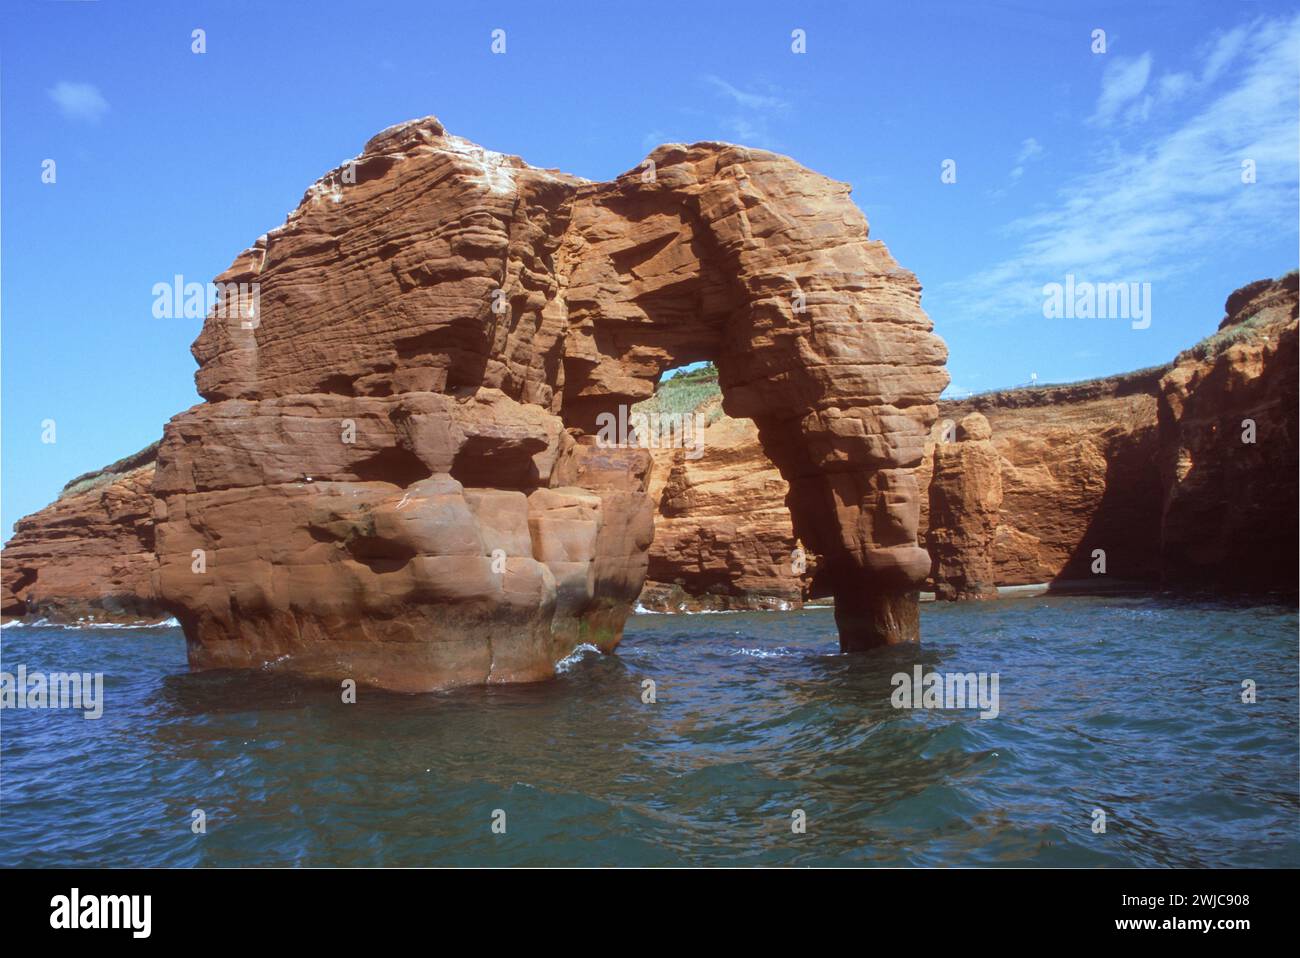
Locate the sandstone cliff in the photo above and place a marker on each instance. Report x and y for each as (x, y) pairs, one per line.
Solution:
(1148, 467)
(1228, 460)
(723, 538)
(89, 554)
(965, 496)
(1179, 476)
(1078, 473)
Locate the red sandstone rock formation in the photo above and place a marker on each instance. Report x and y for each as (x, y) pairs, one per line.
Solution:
(1078, 474)
(87, 555)
(1151, 468)
(396, 476)
(722, 533)
(1148, 467)
(965, 496)
(1084, 466)
(1228, 441)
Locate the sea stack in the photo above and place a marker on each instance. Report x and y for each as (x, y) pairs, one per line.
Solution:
(396, 475)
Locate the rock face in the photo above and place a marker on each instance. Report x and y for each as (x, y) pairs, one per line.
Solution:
(277, 537)
(1078, 473)
(723, 538)
(965, 497)
(1147, 467)
(400, 473)
(89, 554)
(1228, 460)
(1154, 472)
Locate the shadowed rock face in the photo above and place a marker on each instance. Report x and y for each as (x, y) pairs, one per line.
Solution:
(1228, 411)
(1157, 469)
(397, 474)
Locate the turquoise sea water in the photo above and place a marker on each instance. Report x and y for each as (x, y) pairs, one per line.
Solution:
(1131, 705)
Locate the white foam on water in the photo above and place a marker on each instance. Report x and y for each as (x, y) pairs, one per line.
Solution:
(89, 624)
(574, 657)
(781, 606)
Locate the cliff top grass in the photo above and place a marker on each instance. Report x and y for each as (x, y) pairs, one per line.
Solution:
(1248, 330)
(1117, 384)
(100, 477)
(693, 390)
(1264, 295)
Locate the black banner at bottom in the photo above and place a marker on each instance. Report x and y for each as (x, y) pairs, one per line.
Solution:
(309, 905)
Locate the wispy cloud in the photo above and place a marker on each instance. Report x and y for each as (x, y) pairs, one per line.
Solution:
(1030, 150)
(1158, 198)
(79, 101)
(751, 110)
(1122, 82)
(746, 98)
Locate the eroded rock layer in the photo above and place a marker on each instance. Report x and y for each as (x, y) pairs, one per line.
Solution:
(1078, 473)
(1181, 476)
(965, 498)
(88, 555)
(398, 474)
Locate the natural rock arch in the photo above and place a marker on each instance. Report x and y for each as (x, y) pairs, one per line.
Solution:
(472, 317)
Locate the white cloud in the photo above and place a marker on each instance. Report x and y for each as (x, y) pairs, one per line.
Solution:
(79, 101)
(1219, 53)
(1123, 81)
(1173, 85)
(752, 111)
(1158, 200)
(1030, 149)
(1223, 50)
(745, 98)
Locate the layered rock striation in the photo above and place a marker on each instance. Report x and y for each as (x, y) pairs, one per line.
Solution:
(723, 538)
(1154, 468)
(1078, 473)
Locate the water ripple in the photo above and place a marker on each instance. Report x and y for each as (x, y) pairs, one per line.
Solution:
(1129, 705)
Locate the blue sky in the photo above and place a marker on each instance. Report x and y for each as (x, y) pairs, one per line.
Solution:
(1122, 166)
